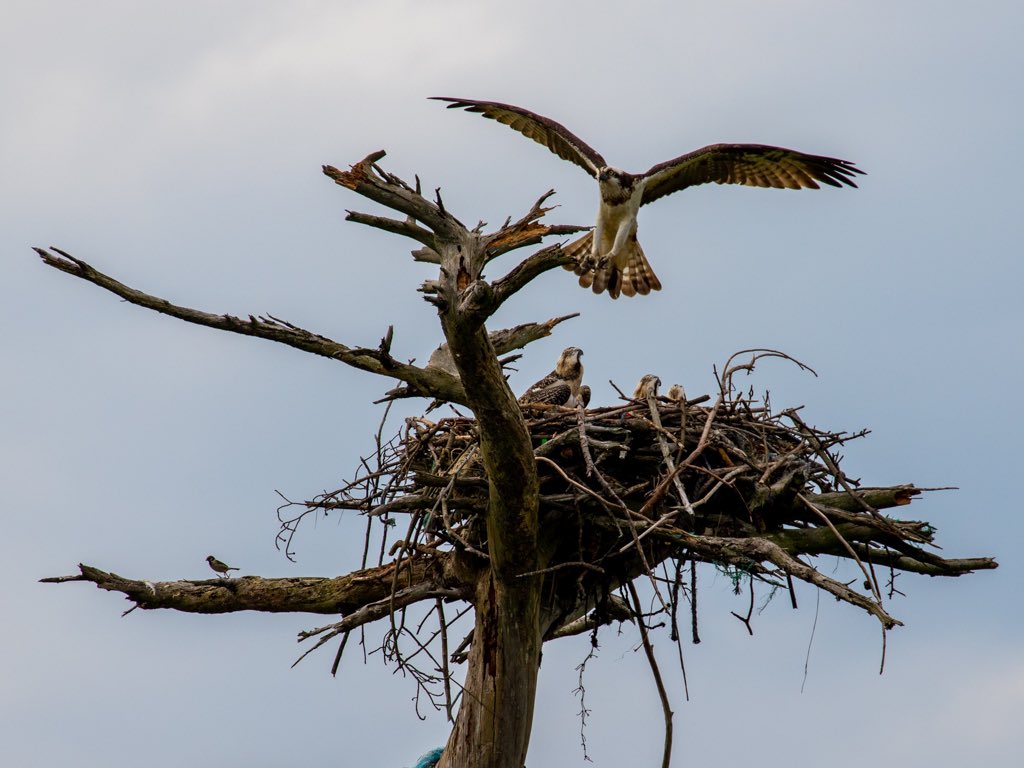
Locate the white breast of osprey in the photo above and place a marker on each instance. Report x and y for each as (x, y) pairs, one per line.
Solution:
(616, 223)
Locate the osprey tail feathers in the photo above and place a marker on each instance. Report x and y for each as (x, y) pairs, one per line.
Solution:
(633, 278)
(579, 250)
(637, 276)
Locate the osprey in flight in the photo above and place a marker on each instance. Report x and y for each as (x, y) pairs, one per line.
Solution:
(610, 258)
(562, 385)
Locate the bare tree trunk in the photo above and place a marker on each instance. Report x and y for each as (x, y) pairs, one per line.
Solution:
(492, 729)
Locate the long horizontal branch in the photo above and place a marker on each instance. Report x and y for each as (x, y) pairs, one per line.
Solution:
(944, 567)
(749, 554)
(408, 228)
(425, 382)
(758, 550)
(879, 498)
(822, 541)
(342, 594)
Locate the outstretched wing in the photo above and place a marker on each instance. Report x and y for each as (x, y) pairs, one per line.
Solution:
(552, 135)
(552, 389)
(755, 165)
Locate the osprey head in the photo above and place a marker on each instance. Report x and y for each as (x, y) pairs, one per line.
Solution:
(569, 365)
(616, 186)
(609, 175)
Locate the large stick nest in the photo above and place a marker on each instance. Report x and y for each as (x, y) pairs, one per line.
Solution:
(626, 488)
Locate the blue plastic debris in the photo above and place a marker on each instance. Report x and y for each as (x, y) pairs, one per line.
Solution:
(432, 758)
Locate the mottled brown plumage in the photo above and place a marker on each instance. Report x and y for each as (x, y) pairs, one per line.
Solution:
(562, 385)
(585, 395)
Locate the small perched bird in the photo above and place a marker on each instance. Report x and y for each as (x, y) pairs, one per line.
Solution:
(218, 566)
(676, 393)
(562, 385)
(610, 258)
(647, 387)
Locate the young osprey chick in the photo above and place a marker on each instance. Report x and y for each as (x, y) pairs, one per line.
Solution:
(647, 387)
(562, 385)
(676, 393)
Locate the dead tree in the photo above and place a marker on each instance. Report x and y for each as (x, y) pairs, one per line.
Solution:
(642, 491)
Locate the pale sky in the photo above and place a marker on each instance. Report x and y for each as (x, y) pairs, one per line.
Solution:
(177, 146)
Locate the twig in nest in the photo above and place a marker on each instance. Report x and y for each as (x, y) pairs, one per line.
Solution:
(445, 672)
